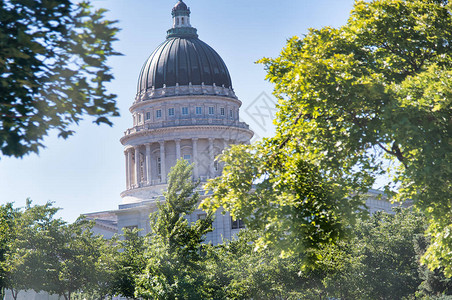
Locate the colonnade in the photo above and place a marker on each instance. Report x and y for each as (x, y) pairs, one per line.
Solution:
(141, 172)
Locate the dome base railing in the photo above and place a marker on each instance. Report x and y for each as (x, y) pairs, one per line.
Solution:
(187, 122)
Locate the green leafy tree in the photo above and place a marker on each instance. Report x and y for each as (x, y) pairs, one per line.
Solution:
(237, 271)
(380, 261)
(53, 70)
(131, 262)
(368, 99)
(434, 284)
(27, 254)
(175, 268)
(285, 198)
(74, 253)
(7, 218)
(102, 284)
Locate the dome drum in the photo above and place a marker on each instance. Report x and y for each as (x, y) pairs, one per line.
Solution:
(211, 90)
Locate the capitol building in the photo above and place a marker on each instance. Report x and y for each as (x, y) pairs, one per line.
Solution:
(185, 108)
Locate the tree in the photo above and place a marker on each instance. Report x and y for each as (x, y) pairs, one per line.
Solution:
(237, 271)
(131, 262)
(53, 70)
(175, 268)
(27, 256)
(283, 197)
(74, 254)
(7, 217)
(380, 261)
(372, 98)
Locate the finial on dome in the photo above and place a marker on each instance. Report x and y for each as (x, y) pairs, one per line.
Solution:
(180, 9)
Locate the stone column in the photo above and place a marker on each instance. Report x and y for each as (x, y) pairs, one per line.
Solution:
(148, 164)
(195, 158)
(162, 162)
(129, 169)
(137, 166)
(177, 149)
(211, 158)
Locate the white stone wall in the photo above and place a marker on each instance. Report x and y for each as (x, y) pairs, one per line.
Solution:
(32, 295)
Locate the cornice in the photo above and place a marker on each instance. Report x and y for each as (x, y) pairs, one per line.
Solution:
(163, 130)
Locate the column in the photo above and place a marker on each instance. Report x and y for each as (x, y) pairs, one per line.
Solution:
(195, 158)
(177, 148)
(211, 158)
(129, 168)
(162, 161)
(148, 164)
(137, 166)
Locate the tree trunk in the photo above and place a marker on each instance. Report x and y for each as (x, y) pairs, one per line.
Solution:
(14, 293)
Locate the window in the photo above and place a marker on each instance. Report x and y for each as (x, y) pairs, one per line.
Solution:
(170, 111)
(222, 111)
(237, 224)
(215, 166)
(139, 118)
(187, 157)
(158, 113)
(159, 166)
(199, 110)
(142, 167)
(231, 114)
(185, 110)
(148, 115)
(183, 21)
(211, 110)
(134, 120)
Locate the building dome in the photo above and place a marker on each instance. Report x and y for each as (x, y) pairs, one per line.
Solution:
(181, 60)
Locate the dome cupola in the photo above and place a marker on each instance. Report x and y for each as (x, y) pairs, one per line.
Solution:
(183, 64)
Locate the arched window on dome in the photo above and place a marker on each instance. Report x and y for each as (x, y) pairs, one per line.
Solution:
(183, 21)
(177, 21)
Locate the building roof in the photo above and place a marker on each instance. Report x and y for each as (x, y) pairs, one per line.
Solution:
(183, 60)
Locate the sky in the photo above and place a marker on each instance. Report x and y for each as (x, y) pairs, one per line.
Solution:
(86, 173)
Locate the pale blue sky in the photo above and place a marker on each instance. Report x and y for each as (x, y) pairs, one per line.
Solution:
(86, 172)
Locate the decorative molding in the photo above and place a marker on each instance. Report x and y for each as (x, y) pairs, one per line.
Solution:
(155, 135)
(184, 90)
